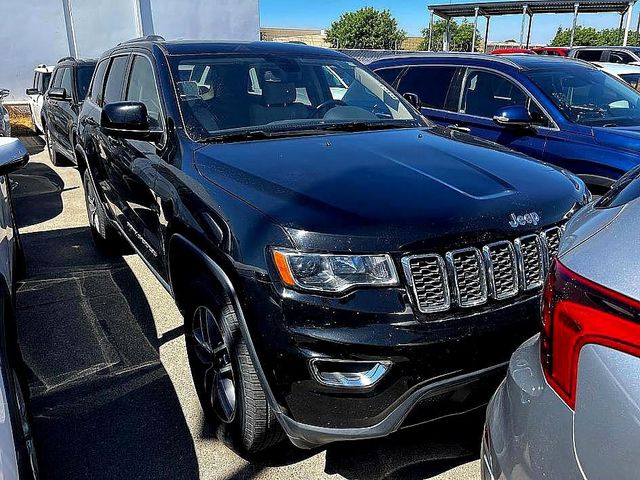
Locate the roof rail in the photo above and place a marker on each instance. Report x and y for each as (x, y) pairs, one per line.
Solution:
(465, 55)
(148, 38)
(64, 59)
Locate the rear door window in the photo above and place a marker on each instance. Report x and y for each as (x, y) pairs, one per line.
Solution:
(115, 80)
(589, 55)
(430, 84)
(620, 57)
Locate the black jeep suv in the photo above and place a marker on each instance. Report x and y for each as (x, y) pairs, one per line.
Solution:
(344, 267)
(62, 103)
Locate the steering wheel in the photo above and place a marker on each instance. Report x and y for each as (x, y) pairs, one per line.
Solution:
(325, 106)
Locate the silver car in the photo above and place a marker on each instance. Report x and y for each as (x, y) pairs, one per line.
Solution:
(569, 407)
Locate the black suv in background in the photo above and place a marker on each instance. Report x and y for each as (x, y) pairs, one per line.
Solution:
(344, 267)
(62, 102)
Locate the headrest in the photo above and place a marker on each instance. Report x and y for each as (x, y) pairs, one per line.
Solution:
(188, 90)
(278, 93)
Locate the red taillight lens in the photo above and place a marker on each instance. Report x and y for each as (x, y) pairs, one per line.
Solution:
(575, 312)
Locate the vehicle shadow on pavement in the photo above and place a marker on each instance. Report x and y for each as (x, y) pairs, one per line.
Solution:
(36, 191)
(419, 452)
(103, 405)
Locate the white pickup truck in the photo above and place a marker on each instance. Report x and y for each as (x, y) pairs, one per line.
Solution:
(41, 78)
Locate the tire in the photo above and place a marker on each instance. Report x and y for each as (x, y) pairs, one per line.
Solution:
(224, 376)
(105, 237)
(27, 456)
(55, 157)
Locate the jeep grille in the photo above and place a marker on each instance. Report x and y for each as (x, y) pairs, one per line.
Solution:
(472, 276)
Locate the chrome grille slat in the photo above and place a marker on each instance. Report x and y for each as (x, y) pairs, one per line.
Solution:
(470, 276)
(551, 240)
(530, 261)
(502, 271)
(427, 276)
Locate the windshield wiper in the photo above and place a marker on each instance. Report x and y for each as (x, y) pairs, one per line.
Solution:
(250, 135)
(364, 126)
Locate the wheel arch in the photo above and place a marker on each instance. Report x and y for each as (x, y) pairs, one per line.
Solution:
(182, 247)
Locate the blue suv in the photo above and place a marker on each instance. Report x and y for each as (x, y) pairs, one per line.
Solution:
(561, 111)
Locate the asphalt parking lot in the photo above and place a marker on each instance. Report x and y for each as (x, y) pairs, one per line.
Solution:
(110, 387)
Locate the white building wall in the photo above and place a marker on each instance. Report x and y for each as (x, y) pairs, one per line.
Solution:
(205, 19)
(31, 33)
(35, 31)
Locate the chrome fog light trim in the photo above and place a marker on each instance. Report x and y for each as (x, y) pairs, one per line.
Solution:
(348, 373)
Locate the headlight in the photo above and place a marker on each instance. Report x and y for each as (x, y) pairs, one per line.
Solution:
(333, 273)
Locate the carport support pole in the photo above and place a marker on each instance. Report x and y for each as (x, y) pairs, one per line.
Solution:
(447, 36)
(68, 23)
(575, 22)
(620, 28)
(430, 33)
(628, 26)
(486, 35)
(529, 30)
(524, 19)
(475, 29)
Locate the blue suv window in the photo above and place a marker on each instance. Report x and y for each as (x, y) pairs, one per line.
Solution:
(389, 75)
(485, 93)
(588, 96)
(431, 84)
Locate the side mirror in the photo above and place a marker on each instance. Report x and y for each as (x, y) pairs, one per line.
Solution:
(127, 120)
(58, 93)
(32, 91)
(413, 99)
(513, 116)
(13, 155)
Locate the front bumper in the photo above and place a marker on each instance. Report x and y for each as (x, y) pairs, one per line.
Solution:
(529, 429)
(438, 366)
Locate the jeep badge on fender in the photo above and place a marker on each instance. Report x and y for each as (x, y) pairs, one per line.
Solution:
(528, 218)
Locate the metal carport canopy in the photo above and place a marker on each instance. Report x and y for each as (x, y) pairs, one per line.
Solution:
(489, 9)
(530, 8)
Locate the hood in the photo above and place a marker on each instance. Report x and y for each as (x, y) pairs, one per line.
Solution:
(624, 137)
(394, 187)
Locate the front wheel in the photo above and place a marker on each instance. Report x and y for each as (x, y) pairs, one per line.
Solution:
(224, 375)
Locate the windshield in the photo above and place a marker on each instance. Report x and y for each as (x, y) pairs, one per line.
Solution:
(222, 94)
(83, 79)
(589, 97)
(632, 79)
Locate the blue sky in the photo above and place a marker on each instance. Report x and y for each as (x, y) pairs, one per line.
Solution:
(412, 17)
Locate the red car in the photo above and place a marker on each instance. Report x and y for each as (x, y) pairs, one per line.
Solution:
(553, 51)
(508, 51)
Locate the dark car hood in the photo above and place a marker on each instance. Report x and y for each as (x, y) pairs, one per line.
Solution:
(399, 187)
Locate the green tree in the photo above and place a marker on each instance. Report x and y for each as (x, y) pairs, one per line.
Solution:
(461, 36)
(366, 28)
(589, 36)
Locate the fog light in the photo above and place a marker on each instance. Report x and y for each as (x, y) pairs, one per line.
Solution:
(348, 373)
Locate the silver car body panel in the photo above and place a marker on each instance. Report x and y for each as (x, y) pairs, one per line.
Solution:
(607, 418)
(531, 433)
